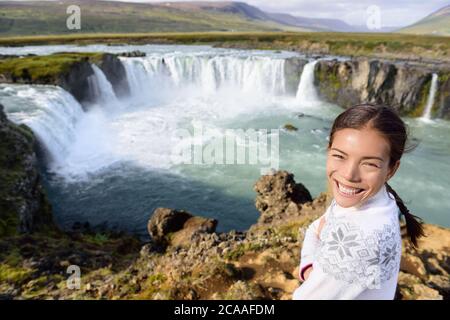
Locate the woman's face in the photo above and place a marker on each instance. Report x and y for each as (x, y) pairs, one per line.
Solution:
(358, 165)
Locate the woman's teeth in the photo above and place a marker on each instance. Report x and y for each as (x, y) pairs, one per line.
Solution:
(348, 191)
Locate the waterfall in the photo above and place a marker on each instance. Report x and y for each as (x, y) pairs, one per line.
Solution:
(101, 88)
(51, 112)
(306, 92)
(431, 95)
(206, 75)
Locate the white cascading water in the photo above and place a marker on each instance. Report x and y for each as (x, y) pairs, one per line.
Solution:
(63, 127)
(306, 92)
(431, 95)
(101, 88)
(260, 75)
(172, 91)
(51, 112)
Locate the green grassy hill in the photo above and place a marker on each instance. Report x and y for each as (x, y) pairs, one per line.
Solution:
(49, 17)
(437, 23)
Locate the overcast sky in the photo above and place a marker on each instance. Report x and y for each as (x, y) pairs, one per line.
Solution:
(396, 13)
(392, 12)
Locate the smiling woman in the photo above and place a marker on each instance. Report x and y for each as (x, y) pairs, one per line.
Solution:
(357, 173)
(353, 251)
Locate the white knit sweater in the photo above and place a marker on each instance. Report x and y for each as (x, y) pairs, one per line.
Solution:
(358, 253)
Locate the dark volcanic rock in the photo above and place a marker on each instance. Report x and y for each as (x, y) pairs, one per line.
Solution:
(167, 226)
(77, 83)
(23, 203)
(114, 71)
(132, 54)
(293, 68)
(403, 86)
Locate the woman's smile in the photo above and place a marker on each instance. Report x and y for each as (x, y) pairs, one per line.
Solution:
(347, 191)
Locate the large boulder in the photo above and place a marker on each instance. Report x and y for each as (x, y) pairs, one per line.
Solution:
(278, 195)
(177, 228)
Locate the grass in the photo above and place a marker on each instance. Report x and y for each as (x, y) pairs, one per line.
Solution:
(13, 274)
(387, 45)
(240, 250)
(97, 238)
(44, 68)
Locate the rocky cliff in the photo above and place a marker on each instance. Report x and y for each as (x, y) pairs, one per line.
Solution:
(70, 71)
(23, 203)
(404, 86)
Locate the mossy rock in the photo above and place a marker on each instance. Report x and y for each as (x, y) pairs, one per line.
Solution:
(23, 203)
(44, 69)
(290, 127)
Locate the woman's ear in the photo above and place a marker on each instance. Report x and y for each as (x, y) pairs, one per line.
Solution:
(393, 170)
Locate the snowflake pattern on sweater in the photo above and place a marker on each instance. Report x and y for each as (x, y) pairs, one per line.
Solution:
(351, 254)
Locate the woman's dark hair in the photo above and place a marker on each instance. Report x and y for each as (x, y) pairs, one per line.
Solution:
(392, 127)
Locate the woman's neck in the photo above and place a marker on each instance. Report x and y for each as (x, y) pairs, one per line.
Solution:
(377, 199)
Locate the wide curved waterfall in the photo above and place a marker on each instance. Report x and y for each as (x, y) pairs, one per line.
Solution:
(205, 75)
(112, 160)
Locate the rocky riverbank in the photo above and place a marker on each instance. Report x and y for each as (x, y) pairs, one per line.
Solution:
(23, 203)
(69, 70)
(403, 85)
(185, 258)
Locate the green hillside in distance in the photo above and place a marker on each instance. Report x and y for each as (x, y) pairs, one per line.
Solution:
(49, 17)
(437, 23)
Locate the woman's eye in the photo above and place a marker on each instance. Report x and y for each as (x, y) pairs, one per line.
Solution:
(372, 165)
(338, 156)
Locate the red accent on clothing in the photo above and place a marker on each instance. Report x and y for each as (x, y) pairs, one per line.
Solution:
(303, 271)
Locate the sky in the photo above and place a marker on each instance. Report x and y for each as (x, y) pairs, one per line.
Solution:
(392, 13)
(395, 13)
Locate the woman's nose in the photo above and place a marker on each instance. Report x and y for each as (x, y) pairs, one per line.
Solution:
(351, 172)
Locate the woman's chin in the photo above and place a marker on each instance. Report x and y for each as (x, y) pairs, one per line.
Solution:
(344, 202)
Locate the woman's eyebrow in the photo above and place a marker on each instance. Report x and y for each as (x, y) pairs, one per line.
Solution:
(368, 157)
